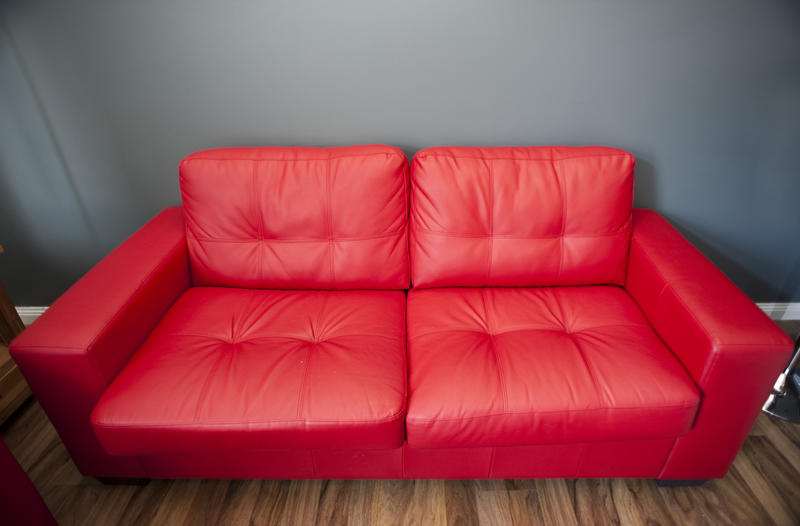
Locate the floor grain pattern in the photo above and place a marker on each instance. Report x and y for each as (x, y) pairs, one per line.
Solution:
(762, 487)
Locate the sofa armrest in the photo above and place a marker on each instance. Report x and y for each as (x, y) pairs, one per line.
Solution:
(728, 345)
(75, 349)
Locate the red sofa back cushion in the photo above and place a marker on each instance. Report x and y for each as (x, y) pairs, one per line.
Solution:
(297, 218)
(520, 216)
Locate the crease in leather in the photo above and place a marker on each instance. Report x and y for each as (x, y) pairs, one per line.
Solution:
(495, 354)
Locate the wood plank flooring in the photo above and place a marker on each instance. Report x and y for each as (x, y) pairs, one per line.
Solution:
(762, 487)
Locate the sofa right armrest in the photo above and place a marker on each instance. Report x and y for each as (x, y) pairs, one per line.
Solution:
(73, 351)
(731, 349)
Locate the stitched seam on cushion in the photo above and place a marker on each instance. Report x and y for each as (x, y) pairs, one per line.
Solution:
(578, 347)
(511, 236)
(192, 425)
(491, 222)
(296, 240)
(558, 411)
(491, 463)
(562, 318)
(563, 187)
(314, 333)
(329, 205)
(568, 331)
(302, 390)
(330, 156)
(260, 226)
(513, 158)
(204, 391)
(493, 348)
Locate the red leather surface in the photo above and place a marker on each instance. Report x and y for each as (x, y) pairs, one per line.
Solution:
(20, 503)
(639, 458)
(663, 378)
(231, 369)
(279, 464)
(732, 349)
(499, 367)
(74, 350)
(520, 216)
(297, 218)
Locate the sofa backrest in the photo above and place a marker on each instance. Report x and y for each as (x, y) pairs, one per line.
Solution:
(520, 216)
(297, 218)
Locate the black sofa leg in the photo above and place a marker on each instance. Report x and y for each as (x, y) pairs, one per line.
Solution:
(121, 481)
(674, 483)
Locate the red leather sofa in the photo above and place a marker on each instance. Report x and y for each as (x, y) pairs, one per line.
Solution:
(263, 329)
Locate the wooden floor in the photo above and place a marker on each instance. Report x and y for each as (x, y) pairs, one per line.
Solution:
(762, 487)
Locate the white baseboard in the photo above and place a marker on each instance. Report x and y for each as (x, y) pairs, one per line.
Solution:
(776, 311)
(29, 314)
(781, 311)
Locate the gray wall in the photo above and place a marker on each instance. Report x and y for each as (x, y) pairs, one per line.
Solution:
(100, 100)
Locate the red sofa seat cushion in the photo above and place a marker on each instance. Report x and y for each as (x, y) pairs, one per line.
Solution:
(249, 369)
(520, 217)
(507, 367)
(297, 218)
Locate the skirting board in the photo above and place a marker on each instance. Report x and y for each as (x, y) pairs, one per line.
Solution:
(781, 311)
(29, 314)
(776, 311)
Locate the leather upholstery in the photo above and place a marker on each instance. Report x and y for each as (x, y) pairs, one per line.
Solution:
(146, 371)
(298, 218)
(514, 366)
(731, 348)
(231, 369)
(633, 458)
(520, 217)
(72, 352)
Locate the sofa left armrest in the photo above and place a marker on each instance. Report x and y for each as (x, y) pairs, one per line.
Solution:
(74, 350)
(732, 350)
